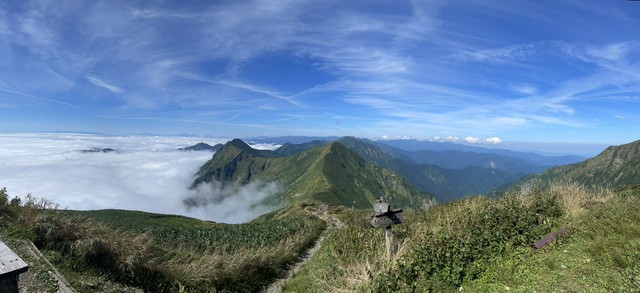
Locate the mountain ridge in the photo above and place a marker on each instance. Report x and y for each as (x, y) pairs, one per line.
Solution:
(331, 174)
(616, 167)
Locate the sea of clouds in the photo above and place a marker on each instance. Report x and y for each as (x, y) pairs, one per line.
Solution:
(144, 173)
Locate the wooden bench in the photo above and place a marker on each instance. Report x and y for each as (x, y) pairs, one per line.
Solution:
(11, 266)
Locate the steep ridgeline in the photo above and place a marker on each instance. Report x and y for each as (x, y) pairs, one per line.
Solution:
(331, 174)
(616, 167)
(445, 184)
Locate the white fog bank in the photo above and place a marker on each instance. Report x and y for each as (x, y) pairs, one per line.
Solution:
(144, 173)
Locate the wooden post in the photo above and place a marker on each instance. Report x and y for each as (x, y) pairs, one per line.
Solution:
(388, 237)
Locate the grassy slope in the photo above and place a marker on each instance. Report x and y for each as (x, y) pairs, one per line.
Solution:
(162, 252)
(331, 174)
(482, 245)
(477, 244)
(615, 168)
(446, 184)
(601, 254)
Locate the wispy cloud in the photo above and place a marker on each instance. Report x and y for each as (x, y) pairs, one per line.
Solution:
(259, 90)
(104, 85)
(402, 64)
(39, 98)
(499, 55)
(523, 89)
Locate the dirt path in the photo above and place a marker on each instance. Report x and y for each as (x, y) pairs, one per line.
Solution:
(322, 212)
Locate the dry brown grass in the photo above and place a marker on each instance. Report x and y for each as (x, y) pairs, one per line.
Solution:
(575, 198)
(202, 271)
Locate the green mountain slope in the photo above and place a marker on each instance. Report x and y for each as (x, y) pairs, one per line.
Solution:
(615, 168)
(331, 174)
(445, 184)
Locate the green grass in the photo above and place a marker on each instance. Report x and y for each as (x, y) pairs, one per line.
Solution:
(195, 255)
(183, 232)
(483, 245)
(161, 253)
(346, 258)
(600, 254)
(477, 244)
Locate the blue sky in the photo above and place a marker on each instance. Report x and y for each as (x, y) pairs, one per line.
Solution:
(489, 71)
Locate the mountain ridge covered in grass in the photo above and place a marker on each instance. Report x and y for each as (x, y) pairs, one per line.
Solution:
(448, 174)
(616, 167)
(329, 173)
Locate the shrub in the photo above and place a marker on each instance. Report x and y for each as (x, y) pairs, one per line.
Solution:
(442, 258)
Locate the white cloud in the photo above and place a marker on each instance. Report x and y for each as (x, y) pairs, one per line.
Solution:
(446, 139)
(493, 140)
(611, 52)
(471, 139)
(145, 173)
(468, 139)
(234, 204)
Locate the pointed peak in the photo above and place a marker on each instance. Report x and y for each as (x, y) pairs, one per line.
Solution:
(338, 148)
(239, 143)
(335, 146)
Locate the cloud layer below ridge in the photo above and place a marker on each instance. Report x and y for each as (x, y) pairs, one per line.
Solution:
(145, 173)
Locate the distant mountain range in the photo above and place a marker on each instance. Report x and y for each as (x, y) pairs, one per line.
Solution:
(617, 167)
(325, 172)
(419, 146)
(423, 151)
(447, 174)
(444, 174)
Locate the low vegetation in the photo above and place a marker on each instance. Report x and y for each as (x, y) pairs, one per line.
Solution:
(477, 244)
(160, 252)
(483, 245)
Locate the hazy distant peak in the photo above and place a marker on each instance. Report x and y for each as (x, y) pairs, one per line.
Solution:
(99, 150)
(201, 146)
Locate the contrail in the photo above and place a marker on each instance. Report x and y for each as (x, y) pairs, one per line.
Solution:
(39, 98)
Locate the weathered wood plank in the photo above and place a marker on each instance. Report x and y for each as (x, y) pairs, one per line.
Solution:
(549, 238)
(10, 262)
